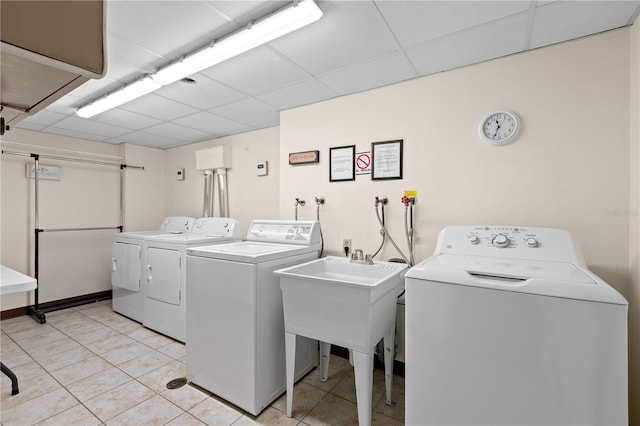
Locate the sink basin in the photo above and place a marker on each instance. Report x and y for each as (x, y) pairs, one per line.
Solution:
(339, 302)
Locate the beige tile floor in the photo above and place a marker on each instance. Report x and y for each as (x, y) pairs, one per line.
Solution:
(90, 366)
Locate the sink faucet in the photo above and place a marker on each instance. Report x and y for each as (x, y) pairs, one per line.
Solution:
(358, 257)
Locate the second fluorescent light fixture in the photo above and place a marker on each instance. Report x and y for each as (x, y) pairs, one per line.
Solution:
(284, 21)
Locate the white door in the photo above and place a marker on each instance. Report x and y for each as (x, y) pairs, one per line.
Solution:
(164, 270)
(125, 266)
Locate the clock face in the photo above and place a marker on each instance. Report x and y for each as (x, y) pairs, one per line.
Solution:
(500, 127)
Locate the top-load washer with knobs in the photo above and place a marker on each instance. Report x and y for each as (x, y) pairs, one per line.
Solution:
(165, 289)
(127, 266)
(235, 321)
(507, 326)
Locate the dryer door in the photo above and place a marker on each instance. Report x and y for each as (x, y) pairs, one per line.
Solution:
(163, 275)
(125, 266)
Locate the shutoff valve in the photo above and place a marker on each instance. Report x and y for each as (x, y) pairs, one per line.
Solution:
(381, 200)
(300, 202)
(408, 200)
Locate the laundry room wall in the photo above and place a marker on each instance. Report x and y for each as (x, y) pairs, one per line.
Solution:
(634, 224)
(250, 196)
(144, 190)
(569, 168)
(71, 263)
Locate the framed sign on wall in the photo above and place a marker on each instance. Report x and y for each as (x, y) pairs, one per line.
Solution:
(342, 163)
(386, 160)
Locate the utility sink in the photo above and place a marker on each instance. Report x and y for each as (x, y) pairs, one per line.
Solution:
(348, 304)
(339, 302)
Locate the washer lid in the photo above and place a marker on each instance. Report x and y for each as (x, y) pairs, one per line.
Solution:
(557, 279)
(250, 252)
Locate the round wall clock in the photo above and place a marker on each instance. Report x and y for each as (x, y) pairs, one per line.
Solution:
(500, 127)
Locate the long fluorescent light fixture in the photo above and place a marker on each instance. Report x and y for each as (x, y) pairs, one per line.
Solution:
(119, 97)
(286, 20)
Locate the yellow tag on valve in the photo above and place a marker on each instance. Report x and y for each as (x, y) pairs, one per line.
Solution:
(410, 193)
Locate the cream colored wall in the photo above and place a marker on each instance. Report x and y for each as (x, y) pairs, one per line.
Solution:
(71, 263)
(250, 196)
(569, 168)
(145, 192)
(634, 227)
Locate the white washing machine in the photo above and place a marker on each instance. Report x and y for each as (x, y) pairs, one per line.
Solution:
(164, 279)
(507, 326)
(235, 321)
(127, 266)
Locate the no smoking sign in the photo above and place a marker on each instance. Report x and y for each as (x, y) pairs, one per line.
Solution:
(363, 163)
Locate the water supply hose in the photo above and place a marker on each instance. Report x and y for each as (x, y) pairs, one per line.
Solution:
(382, 231)
(388, 236)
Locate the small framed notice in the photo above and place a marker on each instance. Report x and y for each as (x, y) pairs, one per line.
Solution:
(342, 163)
(305, 157)
(386, 160)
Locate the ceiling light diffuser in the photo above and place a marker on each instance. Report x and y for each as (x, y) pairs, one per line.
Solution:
(119, 97)
(263, 31)
(297, 15)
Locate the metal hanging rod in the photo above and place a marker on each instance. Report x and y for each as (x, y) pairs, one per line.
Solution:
(78, 160)
(101, 228)
(71, 151)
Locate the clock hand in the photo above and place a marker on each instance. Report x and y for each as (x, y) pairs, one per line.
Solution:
(497, 128)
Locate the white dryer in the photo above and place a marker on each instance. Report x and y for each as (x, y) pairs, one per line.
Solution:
(235, 320)
(164, 280)
(507, 326)
(127, 266)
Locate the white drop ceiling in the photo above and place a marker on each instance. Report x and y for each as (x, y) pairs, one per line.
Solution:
(355, 46)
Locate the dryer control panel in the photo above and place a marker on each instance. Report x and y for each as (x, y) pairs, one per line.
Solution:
(299, 232)
(509, 242)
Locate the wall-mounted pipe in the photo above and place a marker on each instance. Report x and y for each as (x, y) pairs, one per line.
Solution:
(298, 202)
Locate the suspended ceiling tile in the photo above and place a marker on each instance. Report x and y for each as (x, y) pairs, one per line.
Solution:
(74, 134)
(66, 105)
(368, 75)
(90, 126)
(167, 28)
(250, 111)
(158, 107)
(349, 32)
(43, 117)
(94, 89)
(175, 131)
(211, 123)
(565, 20)
(302, 93)
(204, 94)
(493, 40)
(242, 12)
(24, 124)
(415, 22)
(127, 61)
(151, 140)
(241, 73)
(127, 119)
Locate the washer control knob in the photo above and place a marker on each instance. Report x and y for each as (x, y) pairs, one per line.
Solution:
(500, 241)
(531, 242)
(473, 239)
